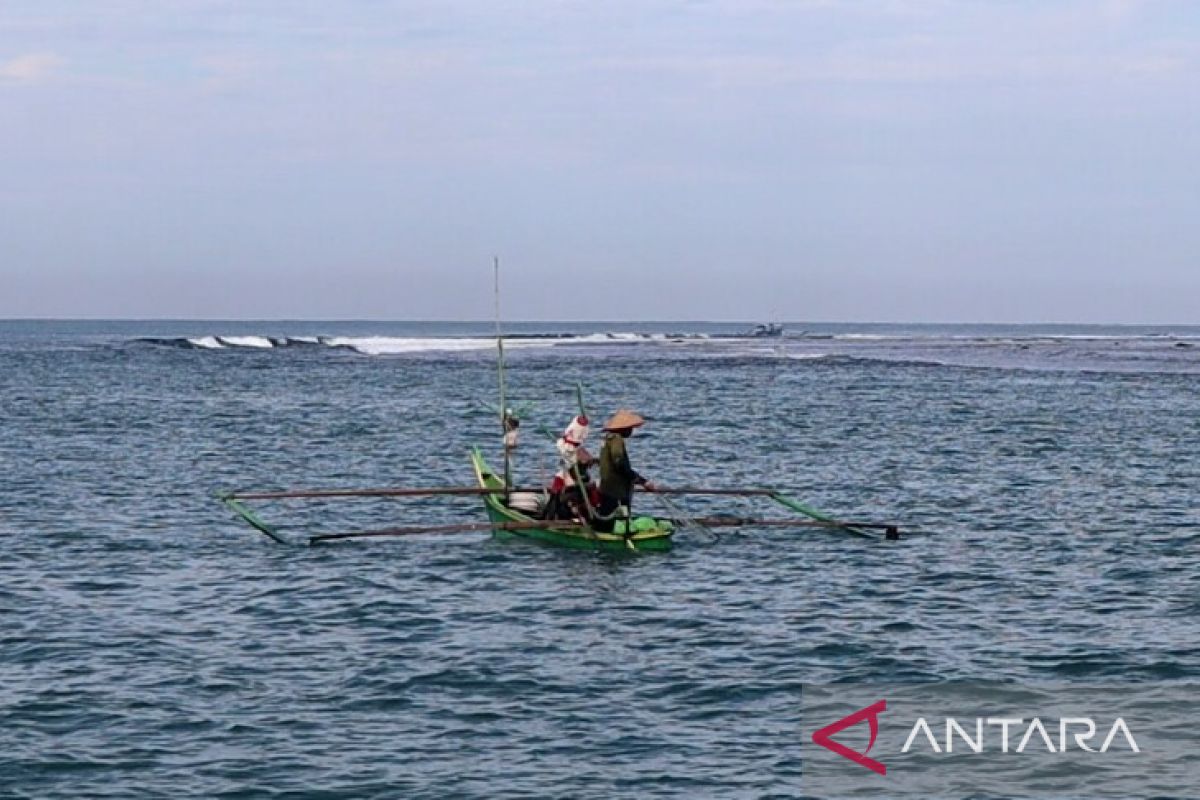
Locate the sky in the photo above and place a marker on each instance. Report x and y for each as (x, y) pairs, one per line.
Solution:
(812, 160)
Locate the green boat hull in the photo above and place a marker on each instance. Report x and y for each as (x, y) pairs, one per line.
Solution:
(657, 539)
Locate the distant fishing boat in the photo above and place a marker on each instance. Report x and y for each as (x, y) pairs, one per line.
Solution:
(769, 330)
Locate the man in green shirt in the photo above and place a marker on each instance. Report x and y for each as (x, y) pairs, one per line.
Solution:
(617, 475)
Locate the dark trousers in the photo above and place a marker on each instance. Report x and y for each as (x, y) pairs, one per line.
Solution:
(609, 504)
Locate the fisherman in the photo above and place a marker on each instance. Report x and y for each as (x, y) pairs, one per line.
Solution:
(512, 427)
(577, 509)
(617, 475)
(574, 461)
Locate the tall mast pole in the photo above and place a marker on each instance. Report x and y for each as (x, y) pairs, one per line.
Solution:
(500, 376)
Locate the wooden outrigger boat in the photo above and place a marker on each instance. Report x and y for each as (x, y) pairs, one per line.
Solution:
(646, 534)
(512, 514)
(509, 518)
(651, 535)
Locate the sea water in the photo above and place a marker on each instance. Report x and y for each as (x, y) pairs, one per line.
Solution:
(1044, 479)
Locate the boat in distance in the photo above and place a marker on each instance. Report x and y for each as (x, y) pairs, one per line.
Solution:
(769, 330)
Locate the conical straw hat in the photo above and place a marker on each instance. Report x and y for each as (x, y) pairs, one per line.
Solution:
(624, 419)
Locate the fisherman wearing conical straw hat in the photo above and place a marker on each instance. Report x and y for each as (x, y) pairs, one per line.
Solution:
(617, 475)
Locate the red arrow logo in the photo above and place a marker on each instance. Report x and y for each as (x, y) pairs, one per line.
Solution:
(871, 715)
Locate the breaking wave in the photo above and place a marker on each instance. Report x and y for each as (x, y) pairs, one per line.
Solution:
(401, 345)
(213, 342)
(1013, 348)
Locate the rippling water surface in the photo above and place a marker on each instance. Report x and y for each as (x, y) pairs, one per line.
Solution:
(153, 647)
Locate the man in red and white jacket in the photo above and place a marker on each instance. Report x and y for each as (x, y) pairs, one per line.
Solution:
(573, 457)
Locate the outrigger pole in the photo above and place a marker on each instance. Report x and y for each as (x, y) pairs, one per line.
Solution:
(468, 527)
(317, 494)
(436, 490)
(465, 527)
(856, 528)
(815, 519)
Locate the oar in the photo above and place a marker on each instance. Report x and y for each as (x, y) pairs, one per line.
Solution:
(386, 492)
(463, 527)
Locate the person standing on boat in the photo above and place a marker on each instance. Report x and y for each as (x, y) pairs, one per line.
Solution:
(574, 460)
(617, 475)
(512, 427)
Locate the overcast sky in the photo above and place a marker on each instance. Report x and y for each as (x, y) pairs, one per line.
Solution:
(857, 160)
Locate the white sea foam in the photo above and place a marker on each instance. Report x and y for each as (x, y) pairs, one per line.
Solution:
(1096, 337)
(391, 345)
(397, 345)
(260, 342)
(610, 338)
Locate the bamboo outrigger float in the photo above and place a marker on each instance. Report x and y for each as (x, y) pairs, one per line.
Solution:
(510, 519)
(649, 534)
(507, 521)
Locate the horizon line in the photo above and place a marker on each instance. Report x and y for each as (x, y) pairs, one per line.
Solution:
(277, 320)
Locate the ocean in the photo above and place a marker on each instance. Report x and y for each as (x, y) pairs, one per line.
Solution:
(1044, 479)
